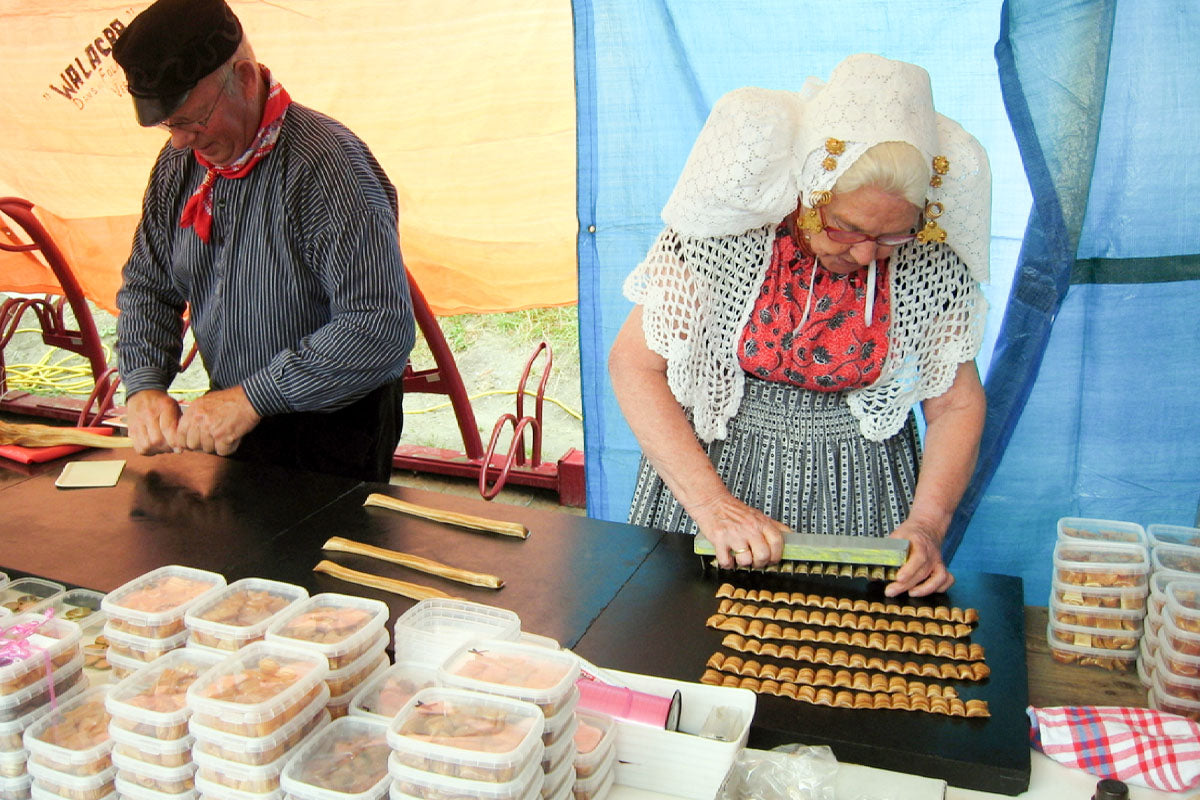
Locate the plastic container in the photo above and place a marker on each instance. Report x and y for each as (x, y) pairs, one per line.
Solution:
(73, 739)
(1101, 564)
(382, 697)
(25, 594)
(1066, 649)
(563, 749)
(153, 605)
(341, 627)
(430, 631)
(12, 733)
(350, 677)
(247, 778)
(130, 647)
(258, 751)
(526, 672)
(1179, 641)
(168, 780)
(557, 726)
(1183, 605)
(1082, 529)
(340, 706)
(1161, 699)
(594, 738)
(1145, 670)
(346, 760)
(153, 701)
(55, 639)
(1116, 598)
(1180, 674)
(15, 787)
(1112, 620)
(559, 780)
(128, 790)
(1176, 558)
(241, 612)
(157, 752)
(597, 785)
(207, 790)
(1157, 534)
(1148, 646)
(12, 765)
(50, 783)
(500, 737)
(37, 694)
(421, 785)
(76, 605)
(282, 681)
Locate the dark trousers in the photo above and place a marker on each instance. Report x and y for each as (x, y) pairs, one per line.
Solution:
(355, 442)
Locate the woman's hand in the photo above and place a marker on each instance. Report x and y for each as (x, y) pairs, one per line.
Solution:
(742, 536)
(923, 573)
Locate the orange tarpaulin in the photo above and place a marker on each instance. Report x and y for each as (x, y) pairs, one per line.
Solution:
(469, 107)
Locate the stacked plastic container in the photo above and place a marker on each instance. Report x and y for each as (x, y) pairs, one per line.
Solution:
(528, 672)
(152, 749)
(1098, 593)
(1175, 673)
(24, 594)
(145, 615)
(595, 760)
(82, 606)
(449, 742)
(346, 760)
(382, 697)
(249, 712)
(240, 614)
(432, 630)
(70, 750)
(26, 688)
(349, 632)
(1174, 555)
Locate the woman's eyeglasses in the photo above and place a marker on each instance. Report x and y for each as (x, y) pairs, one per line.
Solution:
(855, 237)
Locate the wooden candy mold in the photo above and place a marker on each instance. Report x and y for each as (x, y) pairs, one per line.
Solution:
(975, 671)
(827, 569)
(891, 642)
(967, 616)
(844, 619)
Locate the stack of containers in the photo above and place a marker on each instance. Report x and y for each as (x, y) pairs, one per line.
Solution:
(240, 614)
(449, 742)
(24, 594)
(1169, 561)
(248, 714)
(382, 697)
(347, 760)
(595, 761)
(82, 606)
(430, 631)
(145, 615)
(152, 749)
(349, 632)
(1175, 674)
(530, 673)
(70, 750)
(26, 689)
(1098, 593)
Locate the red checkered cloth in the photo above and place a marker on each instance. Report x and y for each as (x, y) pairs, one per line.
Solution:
(1136, 745)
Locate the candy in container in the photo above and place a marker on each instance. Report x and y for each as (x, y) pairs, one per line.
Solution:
(416, 784)
(257, 779)
(73, 739)
(429, 632)
(168, 780)
(34, 639)
(347, 760)
(15, 787)
(513, 669)
(384, 696)
(339, 706)
(50, 784)
(241, 612)
(153, 605)
(258, 751)
(594, 738)
(29, 594)
(153, 700)
(339, 626)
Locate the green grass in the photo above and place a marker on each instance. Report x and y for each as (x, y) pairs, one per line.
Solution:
(558, 327)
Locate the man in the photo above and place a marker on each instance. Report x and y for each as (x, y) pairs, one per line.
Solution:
(275, 226)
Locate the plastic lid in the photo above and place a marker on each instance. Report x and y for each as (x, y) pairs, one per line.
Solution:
(130, 790)
(468, 733)
(1115, 620)
(161, 595)
(433, 629)
(18, 726)
(1055, 638)
(1102, 556)
(1176, 558)
(310, 718)
(155, 772)
(361, 668)
(211, 790)
(1083, 529)
(74, 733)
(76, 605)
(151, 745)
(331, 624)
(257, 683)
(50, 638)
(596, 735)
(26, 594)
(595, 785)
(346, 760)
(1172, 534)
(244, 609)
(523, 671)
(157, 693)
(15, 705)
(383, 696)
(75, 784)
(526, 784)
(1183, 604)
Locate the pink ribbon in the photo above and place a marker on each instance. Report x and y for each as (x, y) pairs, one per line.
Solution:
(15, 646)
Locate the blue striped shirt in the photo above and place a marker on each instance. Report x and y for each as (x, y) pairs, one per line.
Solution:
(300, 296)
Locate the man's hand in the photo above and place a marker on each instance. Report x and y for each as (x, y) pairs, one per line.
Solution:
(924, 572)
(216, 422)
(152, 416)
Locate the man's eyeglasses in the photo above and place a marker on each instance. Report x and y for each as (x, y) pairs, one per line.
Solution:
(854, 237)
(198, 125)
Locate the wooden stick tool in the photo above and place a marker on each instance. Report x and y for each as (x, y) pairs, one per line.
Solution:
(51, 435)
(341, 545)
(449, 517)
(402, 588)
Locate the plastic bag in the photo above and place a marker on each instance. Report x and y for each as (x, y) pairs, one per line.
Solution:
(790, 772)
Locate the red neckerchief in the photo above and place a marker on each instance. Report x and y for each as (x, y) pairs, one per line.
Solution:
(198, 212)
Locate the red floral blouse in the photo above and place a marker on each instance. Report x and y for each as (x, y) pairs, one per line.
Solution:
(836, 351)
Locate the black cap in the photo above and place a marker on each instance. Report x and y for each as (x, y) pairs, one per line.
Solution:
(169, 47)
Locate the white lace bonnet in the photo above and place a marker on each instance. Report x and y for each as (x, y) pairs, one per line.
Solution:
(762, 149)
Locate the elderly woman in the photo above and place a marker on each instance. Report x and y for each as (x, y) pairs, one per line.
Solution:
(818, 276)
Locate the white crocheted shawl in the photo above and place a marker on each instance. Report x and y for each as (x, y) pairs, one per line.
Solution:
(754, 158)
